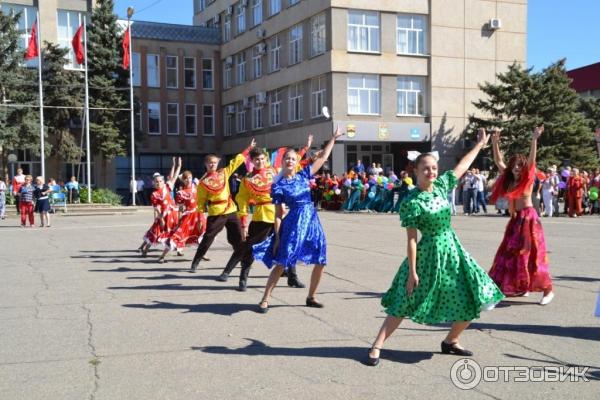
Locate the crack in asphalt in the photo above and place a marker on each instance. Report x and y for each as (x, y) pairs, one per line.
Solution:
(90, 342)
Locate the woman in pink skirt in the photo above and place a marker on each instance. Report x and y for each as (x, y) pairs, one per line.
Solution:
(521, 263)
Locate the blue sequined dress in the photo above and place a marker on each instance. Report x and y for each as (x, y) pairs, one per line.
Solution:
(301, 236)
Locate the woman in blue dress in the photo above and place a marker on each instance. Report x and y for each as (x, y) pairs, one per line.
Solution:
(299, 236)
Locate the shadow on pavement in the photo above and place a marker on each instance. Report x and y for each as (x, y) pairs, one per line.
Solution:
(125, 269)
(593, 373)
(226, 309)
(190, 276)
(575, 278)
(575, 332)
(177, 286)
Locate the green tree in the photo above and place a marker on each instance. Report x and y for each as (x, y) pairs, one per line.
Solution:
(522, 99)
(590, 107)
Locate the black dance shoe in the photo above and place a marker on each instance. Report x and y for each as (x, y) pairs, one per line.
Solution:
(372, 361)
(223, 277)
(311, 302)
(453, 349)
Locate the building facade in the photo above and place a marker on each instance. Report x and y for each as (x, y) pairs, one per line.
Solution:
(586, 80)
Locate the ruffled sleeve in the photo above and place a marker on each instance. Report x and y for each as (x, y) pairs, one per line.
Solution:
(277, 194)
(447, 181)
(306, 172)
(409, 213)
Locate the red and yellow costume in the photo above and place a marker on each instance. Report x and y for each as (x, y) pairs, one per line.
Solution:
(192, 223)
(166, 211)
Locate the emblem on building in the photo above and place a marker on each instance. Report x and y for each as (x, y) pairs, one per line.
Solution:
(350, 130)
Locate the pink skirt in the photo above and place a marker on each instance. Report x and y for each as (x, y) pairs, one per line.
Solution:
(521, 263)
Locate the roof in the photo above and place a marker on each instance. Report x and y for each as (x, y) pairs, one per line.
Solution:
(585, 78)
(175, 32)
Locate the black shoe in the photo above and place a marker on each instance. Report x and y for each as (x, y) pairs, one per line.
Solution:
(194, 267)
(311, 302)
(453, 349)
(370, 361)
(242, 286)
(263, 310)
(293, 280)
(223, 277)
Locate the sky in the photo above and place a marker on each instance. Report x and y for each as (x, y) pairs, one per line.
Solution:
(556, 28)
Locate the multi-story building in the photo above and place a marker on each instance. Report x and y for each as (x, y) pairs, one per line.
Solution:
(586, 80)
(396, 75)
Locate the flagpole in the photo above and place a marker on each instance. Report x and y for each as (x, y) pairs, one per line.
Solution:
(133, 181)
(42, 144)
(87, 115)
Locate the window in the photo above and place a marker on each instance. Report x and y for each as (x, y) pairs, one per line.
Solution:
(172, 118)
(317, 34)
(229, 119)
(227, 76)
(28, 15)
(296, 44)
(208, 119)
(171, 62)
(241, 18)
(274, 7)
(240, 118)
(68, 23)
(153, 118)
(274, 51)
(241, 68)
(257, 115)
(363, 31)
(295, 102)
(200, 5)
(189, 72)
(152, 70)
(190, 120)
(318, 88)
(410, 91)
(257, 52)
(411, 33)
(363, 94)
(256, 12)
(227, 28)
(207, 73)
(275, 108)
(292, 2)
(136, 69)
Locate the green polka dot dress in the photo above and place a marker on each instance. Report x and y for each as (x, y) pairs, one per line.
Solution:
(452, 287)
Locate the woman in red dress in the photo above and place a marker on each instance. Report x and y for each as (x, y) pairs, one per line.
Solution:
(165, 211)
(575, 189)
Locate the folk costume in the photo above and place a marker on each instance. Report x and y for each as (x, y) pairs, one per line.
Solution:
(166, 210)
(192, 224)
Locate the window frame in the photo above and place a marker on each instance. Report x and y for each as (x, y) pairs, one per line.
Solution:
(368, 28)
(298, 100)
(257, 62)
(256, 116)
(212, 74)
(422, 93)
(296, 53)
(171, 69)
(212, 117)
(240, 68)
(414, 30)
(171, 115)
(136, 69)
(156, 57)
(257, 12)
(227, 28)
(274, 10)
(187, 69)
(316, 111)
(65, 41)
(275, 53)
(369, 90)
(319, 34)
(275, 104)
(187, 115)
(240, 26)
(240, 118)
(148, 104)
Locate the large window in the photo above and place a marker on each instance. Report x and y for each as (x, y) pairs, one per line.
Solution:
(411, 34)
(241, 68)
(274, 52)
(296, 44)
(189, 72)
(136, 69)
(172, 118)
(229, 119)
(190, 120)
(171, 62)
(26, 20)
(257, 61)
(257, 115)
(208, 117)
(256, 12)
(410, 92)
(241, 18)
(274, 7)
(363, 31)
(207, 73)
(318, 89)
(227, 28)
(363, 94)
(317, 34)
(153, 118)
(295, 106)
(68, 23)
(152, 70)
(275, 107)
(240, 118)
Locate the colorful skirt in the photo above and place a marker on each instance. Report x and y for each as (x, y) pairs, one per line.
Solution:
(521, 263)
(187, 231)
(159, 235)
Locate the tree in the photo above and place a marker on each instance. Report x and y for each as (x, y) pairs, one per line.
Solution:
(590, 107)
(522, 99)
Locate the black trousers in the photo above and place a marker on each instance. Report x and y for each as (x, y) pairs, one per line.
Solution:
(214, 225)
(258, 231)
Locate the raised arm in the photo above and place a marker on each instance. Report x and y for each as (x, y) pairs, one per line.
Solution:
(498, 160)
(175, 170)
(537, 132)
(467, 160)
(320, 160)
(239, 159)
(306, 148)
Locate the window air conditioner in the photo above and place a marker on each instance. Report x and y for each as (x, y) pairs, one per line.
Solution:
(495, 23)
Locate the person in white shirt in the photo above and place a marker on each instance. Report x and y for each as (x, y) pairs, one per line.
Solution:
(549, 188)
(2, 198)
(479, 180)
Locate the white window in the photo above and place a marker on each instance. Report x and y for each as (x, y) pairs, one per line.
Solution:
(189, 72)
(292, 2)
(26, 20)
(190, 120)
(363, 31)
(411, 34)
(172, 118)
(136, 69)
(200, 5)
(274, 52)
(153, 118)
(275, 107)
(240, 118)
(241, 18)
(68, 23)
(296, 44)
(207, 73)
(363, 94)
(241, 68)
(208, 119)
(229, 119)
(295, 105)
(227, 74)
(257, 62)
(317, 34)
(410, 92)
(257, 115)
(274, 7)
(227, 29)
(256, 12)
(318, 89)
(152, 70)
(171, 62)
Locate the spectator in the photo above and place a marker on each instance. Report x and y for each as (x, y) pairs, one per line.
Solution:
(575, 187)
(469, 187)
(26, 201)
(378, 169)
(549, 188)
(372, 169)
(2, 198)
(42, 202)
(480, 182)
(18, 181)
(139, 194)
(359, 167)
(73, 190)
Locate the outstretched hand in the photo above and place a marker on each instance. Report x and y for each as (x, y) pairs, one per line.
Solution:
(496, 136)
(482, 136)
(337, 133)
(252, 143)
(537, 132)
(309, 140)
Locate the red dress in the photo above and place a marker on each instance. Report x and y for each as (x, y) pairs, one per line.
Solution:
(575, 195)
(165, 206)
(187, 231)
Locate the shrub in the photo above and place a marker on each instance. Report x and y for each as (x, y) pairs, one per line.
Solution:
(100, 196)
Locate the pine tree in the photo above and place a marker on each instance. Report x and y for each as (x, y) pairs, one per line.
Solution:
(590, 107)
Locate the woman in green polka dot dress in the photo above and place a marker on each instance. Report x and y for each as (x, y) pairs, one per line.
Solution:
(438, 281)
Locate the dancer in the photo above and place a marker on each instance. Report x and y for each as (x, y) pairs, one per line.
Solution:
(214, 194)
(438, 281)
(575, 191)
(521, 264)
(165, 211)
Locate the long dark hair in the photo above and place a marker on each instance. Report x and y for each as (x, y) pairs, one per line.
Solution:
(509, 177)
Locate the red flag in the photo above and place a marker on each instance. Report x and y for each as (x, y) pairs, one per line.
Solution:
(78, 46)
(33, 50)
(126, 49)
